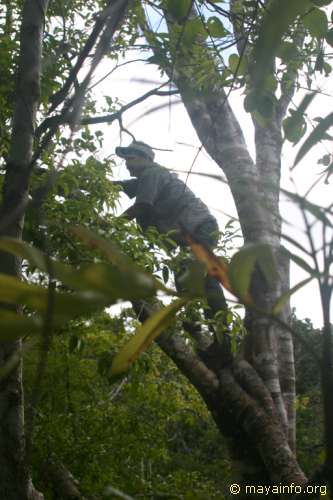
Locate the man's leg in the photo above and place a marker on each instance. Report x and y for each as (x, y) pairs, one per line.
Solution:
(208, 235)
(215, 296)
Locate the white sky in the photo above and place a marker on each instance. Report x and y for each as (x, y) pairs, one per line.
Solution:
(169, 127)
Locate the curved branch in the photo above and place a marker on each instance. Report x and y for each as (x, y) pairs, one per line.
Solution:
(52, 123)
(100, 23)
(288, 85)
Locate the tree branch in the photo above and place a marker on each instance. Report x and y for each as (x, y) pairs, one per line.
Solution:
(63, 482)
(72, 109)
(182, 353)
(100, 23)
(288, 84)
(50, 125)
(239, 31)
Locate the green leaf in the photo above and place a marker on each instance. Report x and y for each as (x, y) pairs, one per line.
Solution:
(179, 8)
(243, 263)
(327, 68)
(284, 298)
(279, 16)
(294, 128)
(216, 28)
(325, 160)
(304, 104)
(316, 136)
(237, 65)
(295, 243)
(329, 37)
(319, 66)
(192, 281)
(112, 282)
(14, 326)
(21, 249)
(250, 102)
(263, 103)
(192, 29)
(303, 265)
(287, 52)
(35, 297)
(165, 274)
(304, 204)
(316, 22)
(144, 336)
(295, 125)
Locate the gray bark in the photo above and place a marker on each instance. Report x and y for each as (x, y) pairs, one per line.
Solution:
(255, 189)
(14, 475)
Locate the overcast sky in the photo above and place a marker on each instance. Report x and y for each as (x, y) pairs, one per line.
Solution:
(170, 128)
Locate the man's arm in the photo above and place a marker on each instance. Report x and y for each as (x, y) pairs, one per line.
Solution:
(129, 186)
(142, 212)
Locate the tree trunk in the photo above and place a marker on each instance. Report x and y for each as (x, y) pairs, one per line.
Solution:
(15, 480)
(254, 402)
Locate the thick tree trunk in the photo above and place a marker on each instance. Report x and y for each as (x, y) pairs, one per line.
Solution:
(242, 408)
(14, 475)
(254, 406)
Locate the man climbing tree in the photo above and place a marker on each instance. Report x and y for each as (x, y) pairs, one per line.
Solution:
(164, 201)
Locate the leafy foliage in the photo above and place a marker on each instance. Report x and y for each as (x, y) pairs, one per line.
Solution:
(146, 434)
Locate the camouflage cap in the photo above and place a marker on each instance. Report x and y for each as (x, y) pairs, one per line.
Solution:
(136, 147)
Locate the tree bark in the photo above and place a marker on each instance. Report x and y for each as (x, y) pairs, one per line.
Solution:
(15, 480)
(265, 431)
(241, 406)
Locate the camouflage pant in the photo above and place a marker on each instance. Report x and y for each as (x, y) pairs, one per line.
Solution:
(207, 234)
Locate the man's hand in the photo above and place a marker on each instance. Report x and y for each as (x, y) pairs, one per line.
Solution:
(131, 212)
(142, 212)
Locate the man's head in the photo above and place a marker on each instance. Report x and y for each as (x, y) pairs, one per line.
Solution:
(136, 155)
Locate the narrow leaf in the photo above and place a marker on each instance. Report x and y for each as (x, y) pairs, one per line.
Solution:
(316, 136)
(242, 266)
(295, 243)
(14, 326)
(304, 204)
(35, 297)
(144, 336)
(284, 298)
(25, 251)
(302, 264)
